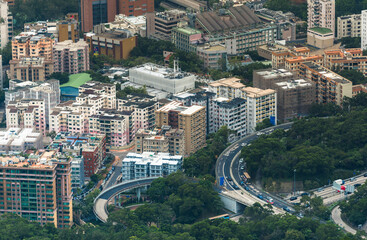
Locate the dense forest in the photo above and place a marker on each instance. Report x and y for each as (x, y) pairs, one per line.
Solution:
(136, 225)
(355, 208)
(320, 149)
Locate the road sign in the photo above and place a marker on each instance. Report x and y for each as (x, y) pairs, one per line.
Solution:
(221, 181)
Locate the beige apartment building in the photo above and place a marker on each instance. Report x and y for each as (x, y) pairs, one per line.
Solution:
(349, 26)
(321, 13)
(32, 69)
(165, 140)
(346, 59)
(192, 120)
(38, 188)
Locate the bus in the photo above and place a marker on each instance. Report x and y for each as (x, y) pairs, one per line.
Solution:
(224, 216)
(247, 176)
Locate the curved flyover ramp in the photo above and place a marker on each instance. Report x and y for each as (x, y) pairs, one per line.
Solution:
(100, 203)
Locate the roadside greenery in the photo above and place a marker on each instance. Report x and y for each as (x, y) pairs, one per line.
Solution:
(355, 208)
(203, 161)
(320, 149)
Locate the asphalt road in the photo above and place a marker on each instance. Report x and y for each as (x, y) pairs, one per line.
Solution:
(228, 166)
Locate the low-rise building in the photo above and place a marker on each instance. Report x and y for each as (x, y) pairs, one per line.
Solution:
(357, 89)
(320, 37)
(184, 38)
(135, 25)
(162, 78)
(214, 56)
(349, 26)
(160, 24)
(149, 164)
(77, 172)
(17, 140)
(346, 59)
(71, 57)
(116, 44)
(166, 140)
(37, 188)
(91, 150)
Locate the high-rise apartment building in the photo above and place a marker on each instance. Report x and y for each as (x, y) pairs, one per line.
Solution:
(349, 26)
(31, 69)
(26, 113)
(321, 13)
(48, 91)
(192, 120)
(68, 30)
(71, 57)
(294, 96)
(4, 23)
(30, 44)
(364, 30)
(94, 12)
(38, 188)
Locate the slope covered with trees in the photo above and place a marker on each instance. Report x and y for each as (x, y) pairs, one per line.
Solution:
(355, 208)
(319, 149)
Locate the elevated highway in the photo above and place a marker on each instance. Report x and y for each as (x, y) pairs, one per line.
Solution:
(101, 201)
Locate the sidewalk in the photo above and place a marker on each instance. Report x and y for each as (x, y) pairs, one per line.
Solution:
(336, 216)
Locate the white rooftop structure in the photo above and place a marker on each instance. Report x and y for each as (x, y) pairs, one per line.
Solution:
(15, 140)
(162, 78)
(294, 84)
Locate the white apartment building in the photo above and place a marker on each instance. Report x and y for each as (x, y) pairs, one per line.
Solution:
(17, 140)
(260, 104)
(26, 113)
(4, 23)
(364, 30)
(162, 78)
(230, 113)
(349, 26)
(149, 164)
(321, 13)
(48, 91)
(77, 172)
(105, 91)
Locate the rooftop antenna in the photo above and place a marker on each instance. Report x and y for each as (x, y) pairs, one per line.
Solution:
(175, 65)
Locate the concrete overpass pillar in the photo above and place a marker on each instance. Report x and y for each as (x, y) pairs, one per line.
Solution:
(138, 194)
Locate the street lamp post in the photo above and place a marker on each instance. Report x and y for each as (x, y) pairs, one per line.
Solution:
(294, 182)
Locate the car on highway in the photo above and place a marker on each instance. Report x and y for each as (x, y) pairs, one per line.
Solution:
(260, 196)
(270, 200)
(247, 188)
(293, 198)
(365, 175)
(259, 133)
(305, 194)
(244, 144)
(287, 209)
(236, 187)
(357, 185)
(229, 179)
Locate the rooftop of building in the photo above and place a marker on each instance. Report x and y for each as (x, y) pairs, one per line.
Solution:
(160, 71)
(327, 73)
(115, 34)
(86, 142)
(152, 158)
(223, 20)
(321, 30)
(257, 92)
(188, 31)
(230, 103)
(212, 48)
(177, 106)
(18, 136)
(133, 20)
(42, 159)
(70, 45)
(294, 83)
(228, 82)
(304, 59)
(77, 80)
(274, 73)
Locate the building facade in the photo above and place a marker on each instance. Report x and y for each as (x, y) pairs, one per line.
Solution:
(349, 26)
(38, 188)
(192, 120)
(71, 57)
(330, 87)
(4, 24)
(149, 164)
(31, 69)
(364, 30)
(94, 12)
(321, 13)
(26, 113)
